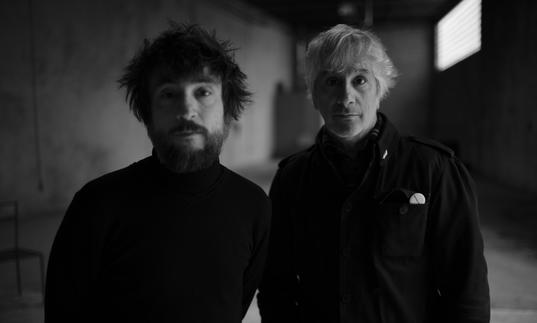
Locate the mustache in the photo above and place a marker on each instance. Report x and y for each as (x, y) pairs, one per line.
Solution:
(188, 126)
(341, 107)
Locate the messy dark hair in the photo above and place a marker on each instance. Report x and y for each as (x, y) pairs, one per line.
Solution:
(185, 50)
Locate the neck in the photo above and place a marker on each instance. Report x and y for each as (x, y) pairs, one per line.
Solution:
(351, 145)
(188, 182)
(186, 162)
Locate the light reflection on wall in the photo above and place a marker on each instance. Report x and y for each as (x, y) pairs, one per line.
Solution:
(458, 34)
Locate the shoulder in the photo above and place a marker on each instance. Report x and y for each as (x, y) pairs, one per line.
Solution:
(428, 154)
(291, 170)
(243, 186)
(424, 150)
(296, 161)
(102, 193)
(116, 181)
(430, 144)
(248, 199)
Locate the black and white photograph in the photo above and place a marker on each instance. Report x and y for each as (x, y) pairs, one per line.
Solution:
(268, 161)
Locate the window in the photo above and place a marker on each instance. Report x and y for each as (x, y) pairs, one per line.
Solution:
(458, 34)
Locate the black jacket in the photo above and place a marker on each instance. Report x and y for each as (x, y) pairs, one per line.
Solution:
(370, 255)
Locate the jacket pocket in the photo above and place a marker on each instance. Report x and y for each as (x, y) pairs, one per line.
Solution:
(401, 225)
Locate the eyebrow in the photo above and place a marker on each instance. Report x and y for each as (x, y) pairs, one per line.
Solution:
(359, 70)
(362, 70)
(196, 78)
(203, 78)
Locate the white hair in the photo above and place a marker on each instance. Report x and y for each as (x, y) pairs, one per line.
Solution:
(343, 47)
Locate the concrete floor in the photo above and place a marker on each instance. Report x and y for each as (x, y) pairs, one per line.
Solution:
(509, 223)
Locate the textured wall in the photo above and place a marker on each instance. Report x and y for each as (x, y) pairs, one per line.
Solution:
(409, 103)
(85, 128)
(488, 102)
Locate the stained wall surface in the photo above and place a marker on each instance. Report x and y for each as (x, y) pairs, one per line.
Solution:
(408, 104)
(69, 54)
(487, 103)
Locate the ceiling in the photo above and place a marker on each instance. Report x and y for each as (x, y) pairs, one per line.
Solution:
(315, 15)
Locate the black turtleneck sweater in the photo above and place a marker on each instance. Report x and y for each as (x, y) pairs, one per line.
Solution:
(144, 244)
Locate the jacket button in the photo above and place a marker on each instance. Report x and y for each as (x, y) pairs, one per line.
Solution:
(403, 209)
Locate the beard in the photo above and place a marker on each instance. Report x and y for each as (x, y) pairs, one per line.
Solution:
(182, 158)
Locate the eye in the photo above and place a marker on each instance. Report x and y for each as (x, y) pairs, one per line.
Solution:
(203, 92)
(331, 81)
(359, 80)
(167, 94)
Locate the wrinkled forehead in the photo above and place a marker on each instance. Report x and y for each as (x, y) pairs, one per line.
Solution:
(348, 62)
(165, 74)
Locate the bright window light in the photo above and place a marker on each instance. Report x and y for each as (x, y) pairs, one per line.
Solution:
(458, 34)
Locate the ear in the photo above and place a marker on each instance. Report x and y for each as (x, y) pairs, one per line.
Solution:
(377, 92)
(377, 87)
(309, 96)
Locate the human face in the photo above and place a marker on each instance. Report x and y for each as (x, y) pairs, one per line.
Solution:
(348, 102)
(187, 119)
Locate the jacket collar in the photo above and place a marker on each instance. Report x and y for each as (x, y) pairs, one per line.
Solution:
(383, 133)
(386, 137)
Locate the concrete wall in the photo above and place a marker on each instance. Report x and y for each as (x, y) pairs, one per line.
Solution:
(297, 123)
(409, 103)
(84, 126)
(488, 102)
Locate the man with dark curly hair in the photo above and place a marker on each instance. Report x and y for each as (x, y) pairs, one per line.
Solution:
(176, 236)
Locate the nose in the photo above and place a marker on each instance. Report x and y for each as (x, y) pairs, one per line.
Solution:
(345, 95)
(187, 107)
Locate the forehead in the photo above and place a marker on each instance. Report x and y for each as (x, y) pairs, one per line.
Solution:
(164, 75)
(351, 71)
(348, 72)
(348, 62)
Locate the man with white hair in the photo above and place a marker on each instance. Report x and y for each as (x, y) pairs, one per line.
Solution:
(368, 225)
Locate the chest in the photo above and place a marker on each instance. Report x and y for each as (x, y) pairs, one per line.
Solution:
(169, 238)
(380, 217)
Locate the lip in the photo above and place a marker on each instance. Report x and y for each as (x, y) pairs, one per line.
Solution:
(346, 115)
(185, 133)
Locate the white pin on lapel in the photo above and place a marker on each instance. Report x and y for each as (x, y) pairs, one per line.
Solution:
(417, 198)
(385, 154)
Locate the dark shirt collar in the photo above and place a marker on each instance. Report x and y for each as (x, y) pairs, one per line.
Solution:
(383, 134)
(350, 169)
(331, 146)
(386, 137)
(192, 183)
(376, 147)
